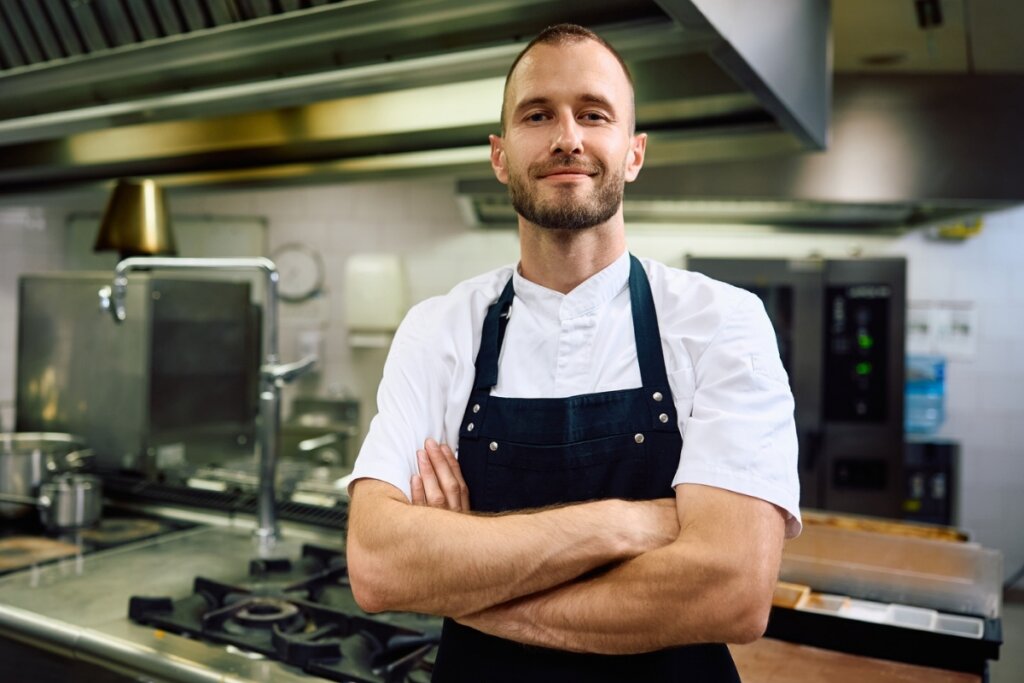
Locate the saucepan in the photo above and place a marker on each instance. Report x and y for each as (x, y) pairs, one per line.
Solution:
(68, 501)
(28, 458)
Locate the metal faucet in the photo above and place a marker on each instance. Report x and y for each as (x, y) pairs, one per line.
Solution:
(273, 375)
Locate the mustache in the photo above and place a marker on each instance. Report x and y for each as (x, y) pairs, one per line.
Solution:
(547, 168)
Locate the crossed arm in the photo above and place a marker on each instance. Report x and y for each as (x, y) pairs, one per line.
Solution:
(701, 568)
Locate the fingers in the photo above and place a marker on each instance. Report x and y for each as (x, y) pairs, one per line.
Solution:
(440, 478)
(456, 471)
(419, 495)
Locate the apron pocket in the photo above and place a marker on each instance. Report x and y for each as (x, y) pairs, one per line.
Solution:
(520, 476)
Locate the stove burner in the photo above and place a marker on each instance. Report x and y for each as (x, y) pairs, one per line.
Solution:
(255, 613)
(266, 611)
(293, 612)
(121, 530)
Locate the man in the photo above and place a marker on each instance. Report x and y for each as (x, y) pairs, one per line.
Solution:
(622, 552)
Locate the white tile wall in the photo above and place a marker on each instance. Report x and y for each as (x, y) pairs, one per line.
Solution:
(420, 220)
(30, 241)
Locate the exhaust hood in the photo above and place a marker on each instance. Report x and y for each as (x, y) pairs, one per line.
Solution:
(214, 92)
(903, 151)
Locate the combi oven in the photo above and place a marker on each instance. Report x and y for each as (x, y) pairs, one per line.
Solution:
(840, 329)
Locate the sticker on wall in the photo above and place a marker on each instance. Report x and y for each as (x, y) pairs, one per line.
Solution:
(944, 328)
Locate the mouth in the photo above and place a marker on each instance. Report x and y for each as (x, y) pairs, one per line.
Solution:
(568, 174)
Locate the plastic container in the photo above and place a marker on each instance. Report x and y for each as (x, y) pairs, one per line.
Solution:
(961, 578)
(925, 394)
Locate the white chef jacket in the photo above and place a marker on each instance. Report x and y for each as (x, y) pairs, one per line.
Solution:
(731, 392)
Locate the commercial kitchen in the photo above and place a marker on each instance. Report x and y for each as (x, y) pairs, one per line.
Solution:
(214, 215)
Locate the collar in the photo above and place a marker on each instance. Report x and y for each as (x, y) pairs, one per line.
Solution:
(588, 296)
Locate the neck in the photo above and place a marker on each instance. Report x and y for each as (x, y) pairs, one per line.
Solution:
(562, 259)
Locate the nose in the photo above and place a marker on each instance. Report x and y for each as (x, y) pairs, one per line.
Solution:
(567, 138)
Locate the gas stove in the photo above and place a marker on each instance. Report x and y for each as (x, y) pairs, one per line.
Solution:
(25, 542)
(302, 614)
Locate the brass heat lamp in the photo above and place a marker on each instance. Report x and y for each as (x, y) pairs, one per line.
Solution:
(136, 221)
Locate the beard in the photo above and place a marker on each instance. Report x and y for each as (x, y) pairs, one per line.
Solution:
(566, 210)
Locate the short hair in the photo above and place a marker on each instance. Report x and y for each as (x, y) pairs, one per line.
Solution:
(564, 34)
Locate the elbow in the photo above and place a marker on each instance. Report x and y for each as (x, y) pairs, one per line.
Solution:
(752, 607)
(367, 596)
(368, 582)
(750, 625)
(739, 602)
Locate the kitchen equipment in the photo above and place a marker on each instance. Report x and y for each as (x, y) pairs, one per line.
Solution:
(882, 590)
(961, 578)
(17, 552)
(112, 532)
(840, 326)
(67, 502)
(174, 384)
(25, 460)
(931, 475)
(321, 431)
(302, 613)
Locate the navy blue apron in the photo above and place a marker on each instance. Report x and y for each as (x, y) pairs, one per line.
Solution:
(525, 453)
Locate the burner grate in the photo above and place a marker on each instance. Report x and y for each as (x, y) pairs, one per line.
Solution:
(278, 614)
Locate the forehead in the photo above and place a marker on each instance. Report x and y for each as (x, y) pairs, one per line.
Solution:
(568, 71)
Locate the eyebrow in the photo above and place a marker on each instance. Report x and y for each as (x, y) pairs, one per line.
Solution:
(585, 97)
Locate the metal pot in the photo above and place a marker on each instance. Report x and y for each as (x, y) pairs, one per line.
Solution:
(68, 501)
(71, 501)
(26, 459)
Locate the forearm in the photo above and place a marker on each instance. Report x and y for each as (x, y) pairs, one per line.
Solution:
(657, 600)
(714, 584)
(405, 557)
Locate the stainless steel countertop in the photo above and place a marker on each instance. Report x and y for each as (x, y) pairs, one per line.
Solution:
(78, 607)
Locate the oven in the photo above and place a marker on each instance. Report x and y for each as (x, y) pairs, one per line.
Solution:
(840, 330)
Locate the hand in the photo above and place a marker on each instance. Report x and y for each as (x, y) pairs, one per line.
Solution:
(439, 483)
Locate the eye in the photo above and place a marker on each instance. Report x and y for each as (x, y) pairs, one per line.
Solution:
(593, 116)
(536, 117)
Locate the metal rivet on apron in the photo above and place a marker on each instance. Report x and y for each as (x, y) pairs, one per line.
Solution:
(476, 407)
(657, 396)
(663, 417)
(494, 446)
(469, 427)
(639, 438)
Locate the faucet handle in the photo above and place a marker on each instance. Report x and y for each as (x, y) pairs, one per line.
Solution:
(112, 298)
(286, 372)
(105, 294)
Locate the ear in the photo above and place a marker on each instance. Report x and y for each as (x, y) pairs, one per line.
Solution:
(498, 162)
(635, 159)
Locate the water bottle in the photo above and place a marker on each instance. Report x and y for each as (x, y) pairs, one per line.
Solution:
(924, 409)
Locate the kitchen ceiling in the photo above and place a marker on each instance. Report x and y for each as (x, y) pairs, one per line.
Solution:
(734, 95)
(211, 91)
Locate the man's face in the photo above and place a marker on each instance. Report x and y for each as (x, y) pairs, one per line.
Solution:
(568, 147)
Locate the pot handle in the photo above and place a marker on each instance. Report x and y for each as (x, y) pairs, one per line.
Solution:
(75, 460)
(42, 501)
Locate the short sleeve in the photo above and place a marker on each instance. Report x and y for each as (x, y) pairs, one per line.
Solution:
(426, 380)
(411, 400)
(741, 434)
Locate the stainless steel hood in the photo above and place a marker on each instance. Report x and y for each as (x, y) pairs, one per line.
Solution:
(206, 92)
(904, 150)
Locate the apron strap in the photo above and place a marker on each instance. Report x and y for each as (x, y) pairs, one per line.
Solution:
(645, 328)
(645, 332)
(491, 338)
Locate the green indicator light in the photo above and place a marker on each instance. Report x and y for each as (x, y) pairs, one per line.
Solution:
(865, 341)
(863, 368)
